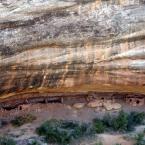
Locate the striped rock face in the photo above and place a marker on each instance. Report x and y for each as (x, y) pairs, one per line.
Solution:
(71, 46)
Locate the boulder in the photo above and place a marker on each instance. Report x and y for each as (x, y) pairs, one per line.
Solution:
(79, 105)
(94, 104)
(111, 106)
(107, 106)
(116, 106)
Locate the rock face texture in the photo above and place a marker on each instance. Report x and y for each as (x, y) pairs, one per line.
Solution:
(71, 46)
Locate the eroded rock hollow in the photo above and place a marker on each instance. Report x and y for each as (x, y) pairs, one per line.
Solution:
(65, 46)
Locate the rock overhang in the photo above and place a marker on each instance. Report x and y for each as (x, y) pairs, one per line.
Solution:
(69, 46)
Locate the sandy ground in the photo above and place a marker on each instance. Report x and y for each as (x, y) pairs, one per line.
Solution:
(108, 139)
(66, 112)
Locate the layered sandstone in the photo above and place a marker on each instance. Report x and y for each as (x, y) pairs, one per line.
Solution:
(64, 46)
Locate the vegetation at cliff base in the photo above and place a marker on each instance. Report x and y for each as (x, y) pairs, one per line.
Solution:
(20, 120)
(140, 139)
(123, 122)
(34, 142)
(99, 126)
(6, 141)
(63, 132)
(120, 122)
(99, 143)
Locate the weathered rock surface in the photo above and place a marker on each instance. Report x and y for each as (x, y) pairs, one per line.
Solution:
(71, 46)
(110, 106)
(95, 103)
(79, 105)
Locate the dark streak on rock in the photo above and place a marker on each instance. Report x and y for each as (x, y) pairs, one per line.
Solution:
(6, 51)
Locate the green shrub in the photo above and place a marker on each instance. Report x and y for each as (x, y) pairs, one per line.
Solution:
(99, 126)
(63, 132)
(3, 123)
(120, 122)
(140, 139)
(135, 118)
(99, 143)
(124, 121)
(131, 123)
(138, 118)
(34, 142)
(107, 119)
(20, 120)
(6, 141)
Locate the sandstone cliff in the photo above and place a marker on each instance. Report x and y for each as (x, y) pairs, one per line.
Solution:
(71, 46)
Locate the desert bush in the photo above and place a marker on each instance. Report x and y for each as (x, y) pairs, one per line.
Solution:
(120, 122)
(63, 132)
(117, 123)
(99, 126)
(135, 118)
(127, 122)
(138, 118)
(34, 142)
(131, 123)
(6, 141)
(3, 123)
(107, 120)
(20, 120)
(53, 133)
(99, 143)
(139, 139)
(124, 121)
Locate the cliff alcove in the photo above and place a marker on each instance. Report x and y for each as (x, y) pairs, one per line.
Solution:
(67, 47)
